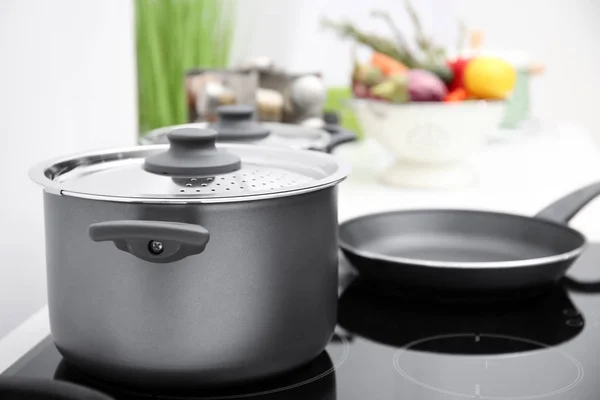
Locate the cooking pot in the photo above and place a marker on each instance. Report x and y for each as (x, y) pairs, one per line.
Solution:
(314, 380)
(236, 124)
(191, 263)
(19, 388)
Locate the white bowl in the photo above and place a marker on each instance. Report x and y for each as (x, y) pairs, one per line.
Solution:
(432, 141)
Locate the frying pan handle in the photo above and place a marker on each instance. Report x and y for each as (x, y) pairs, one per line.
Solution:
(581, 287)
(153, 241)
(565, 208)
(338, 135)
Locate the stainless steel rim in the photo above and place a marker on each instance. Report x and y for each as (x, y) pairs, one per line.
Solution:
(42, 175)
(467, 265)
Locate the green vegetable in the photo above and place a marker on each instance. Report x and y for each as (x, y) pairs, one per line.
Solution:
(401, 42)
(433, 54)
(394, 89)
(397, 47)
(373, 76)
(441, 71)
(173, 36)
(367, 74)
(378, 43)
(370, 76)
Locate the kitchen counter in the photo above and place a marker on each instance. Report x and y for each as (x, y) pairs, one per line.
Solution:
(519, 174)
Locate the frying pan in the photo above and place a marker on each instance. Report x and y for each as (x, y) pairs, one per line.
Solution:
(463, 250)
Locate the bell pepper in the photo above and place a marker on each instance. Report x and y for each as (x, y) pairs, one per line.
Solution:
(458, 67)
(459, 94)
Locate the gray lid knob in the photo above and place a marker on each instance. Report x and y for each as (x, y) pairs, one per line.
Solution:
(236, 123)
(192, 152)
(233, 112)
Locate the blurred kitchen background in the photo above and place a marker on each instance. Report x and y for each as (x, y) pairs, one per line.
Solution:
(72, 78)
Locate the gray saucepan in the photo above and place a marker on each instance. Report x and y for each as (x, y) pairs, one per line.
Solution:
(467, 250)
(191, 264)
(237, 124)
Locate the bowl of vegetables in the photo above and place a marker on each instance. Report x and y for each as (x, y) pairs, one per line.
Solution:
(431, 143)
(431, 111)
(431, 127)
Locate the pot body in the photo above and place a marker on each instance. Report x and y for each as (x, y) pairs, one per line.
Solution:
(259, 300)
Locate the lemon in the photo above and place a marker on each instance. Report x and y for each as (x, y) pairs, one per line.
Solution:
(489, 78)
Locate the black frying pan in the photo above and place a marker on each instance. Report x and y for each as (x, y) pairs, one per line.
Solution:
(467, 250)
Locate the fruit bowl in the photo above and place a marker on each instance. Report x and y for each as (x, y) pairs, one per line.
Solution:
(432, 142)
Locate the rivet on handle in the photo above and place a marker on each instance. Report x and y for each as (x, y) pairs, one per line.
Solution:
(156, 247)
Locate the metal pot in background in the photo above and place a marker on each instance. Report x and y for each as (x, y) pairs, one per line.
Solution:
(191, 264)
(237, 124)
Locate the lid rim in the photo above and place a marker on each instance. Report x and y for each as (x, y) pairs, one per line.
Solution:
(42, 175)
(200, 200)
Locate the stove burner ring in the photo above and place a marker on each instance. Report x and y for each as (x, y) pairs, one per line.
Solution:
(335, 362)
(404, 350)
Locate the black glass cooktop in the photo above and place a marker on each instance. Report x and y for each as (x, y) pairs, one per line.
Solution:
(397, 343)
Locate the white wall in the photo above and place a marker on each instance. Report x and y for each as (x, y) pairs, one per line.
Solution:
(67, 83)
(563, 35)
(560, 34)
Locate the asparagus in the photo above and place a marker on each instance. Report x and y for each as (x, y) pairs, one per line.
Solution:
(400, 39)
(377, 43)
(433, 54)
(397, 48)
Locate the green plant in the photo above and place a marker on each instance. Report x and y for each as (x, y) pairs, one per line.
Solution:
(395, 46)
(172, 37)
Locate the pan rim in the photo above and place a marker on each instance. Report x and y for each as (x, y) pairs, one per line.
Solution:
(530, 262)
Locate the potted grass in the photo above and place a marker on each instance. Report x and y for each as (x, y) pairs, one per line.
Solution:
(174, 36)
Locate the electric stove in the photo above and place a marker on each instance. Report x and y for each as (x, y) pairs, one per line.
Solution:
(397, 343)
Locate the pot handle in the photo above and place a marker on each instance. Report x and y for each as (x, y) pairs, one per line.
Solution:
(338, 135)
(154, 241)
(565, 208)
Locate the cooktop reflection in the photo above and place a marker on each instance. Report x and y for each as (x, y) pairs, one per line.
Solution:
(394, 343)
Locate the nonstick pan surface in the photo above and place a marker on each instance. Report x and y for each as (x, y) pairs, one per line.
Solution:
(467, 250)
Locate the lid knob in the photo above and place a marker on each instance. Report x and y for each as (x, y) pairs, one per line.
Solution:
(236, 123)
(331, 118)
(192, 152)
(238, 112)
